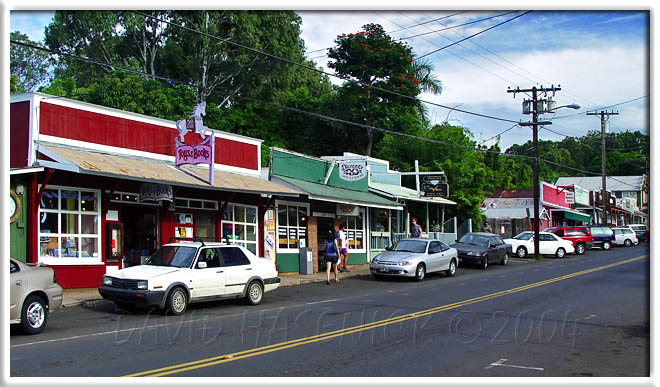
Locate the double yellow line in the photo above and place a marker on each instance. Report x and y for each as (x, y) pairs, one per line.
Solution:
(347, 331)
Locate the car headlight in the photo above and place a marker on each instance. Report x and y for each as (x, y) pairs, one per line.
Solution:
(107, 281)
(473, 253)
(142, 285)
(405, 263)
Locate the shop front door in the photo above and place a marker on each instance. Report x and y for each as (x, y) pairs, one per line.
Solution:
(140, 233)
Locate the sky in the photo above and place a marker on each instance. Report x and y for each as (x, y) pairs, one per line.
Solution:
(599, 59)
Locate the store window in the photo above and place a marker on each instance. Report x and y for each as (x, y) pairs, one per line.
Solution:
(239, 225)
(292, 225)
(380, 219)
(354, 231)
(69, 226)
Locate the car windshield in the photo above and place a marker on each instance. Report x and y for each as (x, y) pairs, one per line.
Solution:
(175, 256)
(638, 228)
(523, 236)
(474, 239)
(410, 246)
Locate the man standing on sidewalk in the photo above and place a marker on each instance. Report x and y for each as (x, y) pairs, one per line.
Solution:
(343, 248)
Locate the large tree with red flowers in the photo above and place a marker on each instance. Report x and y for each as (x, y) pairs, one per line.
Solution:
(382, 80)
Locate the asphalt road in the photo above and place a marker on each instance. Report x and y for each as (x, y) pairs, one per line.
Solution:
(578, 316)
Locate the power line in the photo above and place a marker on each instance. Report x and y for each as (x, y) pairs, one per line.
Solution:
(400, 29)
(473, 35)
(499, 134)
(602, 108)
(325, 72)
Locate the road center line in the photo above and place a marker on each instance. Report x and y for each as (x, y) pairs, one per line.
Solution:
(178, 368)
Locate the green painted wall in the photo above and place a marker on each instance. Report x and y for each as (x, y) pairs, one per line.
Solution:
(357, 258)
(287, 263)
(312, 170)
(18, 229)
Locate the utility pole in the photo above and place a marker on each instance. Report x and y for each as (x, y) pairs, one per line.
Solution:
(537, 107)
(604, 117)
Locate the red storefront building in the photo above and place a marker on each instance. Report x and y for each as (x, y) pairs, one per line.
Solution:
(101, 189)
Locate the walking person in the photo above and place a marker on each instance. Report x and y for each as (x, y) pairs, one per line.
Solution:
(331, 256)
(343, 248)
(486, 227)
(416, 230)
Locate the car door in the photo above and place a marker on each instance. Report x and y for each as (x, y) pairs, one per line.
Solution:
(446, 256)
(208, 279)
(434, 256)
(497, 249)
(550, 244)
(238, 269)
(18, 285)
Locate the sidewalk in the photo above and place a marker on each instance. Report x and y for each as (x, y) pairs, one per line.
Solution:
(72, 297)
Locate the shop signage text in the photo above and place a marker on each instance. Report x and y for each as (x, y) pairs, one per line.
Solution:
(345, 209)
(352, 171)
(435, 186)
(156, 192)
(570, 197)
(201, 153)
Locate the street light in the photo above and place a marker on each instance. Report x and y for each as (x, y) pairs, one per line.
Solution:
(571, 106)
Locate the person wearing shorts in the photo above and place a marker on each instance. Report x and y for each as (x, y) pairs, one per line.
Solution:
(331, 256)
(343, 248)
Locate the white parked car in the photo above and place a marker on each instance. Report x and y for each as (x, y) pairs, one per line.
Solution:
(549, 244)
(33, 293)
(415, 257)
(625, 236)
(181, 273)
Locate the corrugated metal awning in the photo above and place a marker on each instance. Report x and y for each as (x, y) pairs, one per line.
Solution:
(404, 193)
(149, 170)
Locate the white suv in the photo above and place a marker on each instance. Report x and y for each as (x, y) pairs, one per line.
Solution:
(625, 236)
(181, 273)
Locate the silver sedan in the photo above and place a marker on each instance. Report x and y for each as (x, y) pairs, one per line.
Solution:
(415, 257)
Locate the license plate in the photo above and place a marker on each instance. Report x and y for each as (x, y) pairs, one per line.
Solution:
(385, 270)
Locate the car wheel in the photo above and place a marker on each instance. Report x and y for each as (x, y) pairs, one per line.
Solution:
(521, 252)
(484, 262)
(177, 301)
(606, 245)
(420, 272)
(378, 277)
(580, 249)
(452, 269)
(255, 293)
(627, 243)
(34, 315)
(560, 253)
(505, 260)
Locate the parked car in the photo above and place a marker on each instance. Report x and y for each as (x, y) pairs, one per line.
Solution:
(33, 293)
(625, 236)
(482, 248)
(415, 257)
(641, 230)
(549, 244)
(580, 236)
(181, 273)
(603, 236)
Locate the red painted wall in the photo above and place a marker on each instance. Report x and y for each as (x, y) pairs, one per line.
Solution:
(19, 133)
(554, 196)
(78, 276)
(107, 130)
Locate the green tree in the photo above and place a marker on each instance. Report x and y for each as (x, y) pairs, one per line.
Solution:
(28, 67)
(375, 61)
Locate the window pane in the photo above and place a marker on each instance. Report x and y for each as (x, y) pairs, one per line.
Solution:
(195, 203)
(89, 247)
(48, 247)
(251, 215)
(69, 200)
(293, 216)
(89, 201)
(210, 205)
(89, 224)
(69, 223)
(229, 213)
(239, 231)
(48, 223)
(239, 214)
(205, 226)
(251, 233)
(252, 247)
(228, 231)
(49, 199)
(302, 217)
(281, 215)
(358, 222)
(69, 247)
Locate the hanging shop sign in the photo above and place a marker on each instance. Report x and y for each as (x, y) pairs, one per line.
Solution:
(435, 186)
(14, 206)
(569, 196)
(352, 171)
(201, 153)
(581, 195)
(156, 192)
(347, 210)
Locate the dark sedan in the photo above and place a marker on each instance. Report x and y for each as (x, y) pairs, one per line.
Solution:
(482, 248)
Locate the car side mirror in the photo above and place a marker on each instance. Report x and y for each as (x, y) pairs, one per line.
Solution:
(201, 265)
(388, 248)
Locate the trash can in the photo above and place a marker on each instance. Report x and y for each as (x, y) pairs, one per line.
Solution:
(305, 261)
